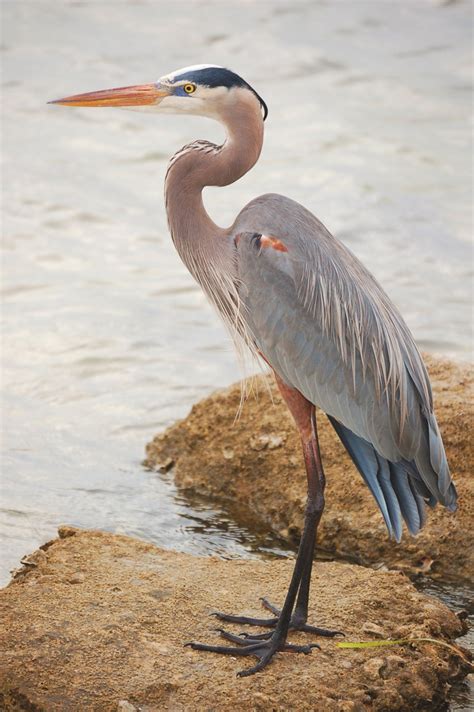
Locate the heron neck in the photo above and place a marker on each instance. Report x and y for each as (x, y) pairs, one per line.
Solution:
(204, 164)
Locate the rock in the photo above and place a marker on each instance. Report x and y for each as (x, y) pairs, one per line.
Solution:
(393, 663)
(65, 530)
(373, 629)
(166, 465)
(372, 668)
(124, 706)
(33, 559)
(275, 441)
(259, 442)
(266, 474)
(112, 644)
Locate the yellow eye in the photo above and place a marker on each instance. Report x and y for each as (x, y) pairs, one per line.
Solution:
(189, 88)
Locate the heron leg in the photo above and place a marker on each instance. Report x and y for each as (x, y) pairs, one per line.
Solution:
(265, 645)
(304, 415)
(265, 648)
(315, 506)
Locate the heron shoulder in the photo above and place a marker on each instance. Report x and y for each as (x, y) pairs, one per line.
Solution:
(277, 212)
(342, 297)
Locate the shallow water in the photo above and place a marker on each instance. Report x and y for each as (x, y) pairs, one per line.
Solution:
(106, 338)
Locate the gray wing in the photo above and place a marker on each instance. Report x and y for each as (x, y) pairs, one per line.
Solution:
(328, 329)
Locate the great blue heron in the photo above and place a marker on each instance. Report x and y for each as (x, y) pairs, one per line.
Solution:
(298, 298)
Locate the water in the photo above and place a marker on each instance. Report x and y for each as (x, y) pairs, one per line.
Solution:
(458, 598)
(106, 338)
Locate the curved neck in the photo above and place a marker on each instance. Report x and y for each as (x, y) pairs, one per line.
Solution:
(204, 164)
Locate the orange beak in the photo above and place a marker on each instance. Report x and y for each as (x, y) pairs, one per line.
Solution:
(139, 95)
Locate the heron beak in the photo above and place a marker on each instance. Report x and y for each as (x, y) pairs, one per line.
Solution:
(139, 95)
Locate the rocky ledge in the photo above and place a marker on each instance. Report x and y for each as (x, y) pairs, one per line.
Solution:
(255, 461)
(97, 622)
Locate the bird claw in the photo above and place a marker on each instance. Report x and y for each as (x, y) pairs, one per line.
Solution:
(264, 650)
(295, 624)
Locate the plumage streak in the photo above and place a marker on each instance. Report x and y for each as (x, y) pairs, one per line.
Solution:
(334, 295)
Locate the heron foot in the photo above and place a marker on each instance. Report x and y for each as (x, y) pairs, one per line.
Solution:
(298, 622)
(262, 649)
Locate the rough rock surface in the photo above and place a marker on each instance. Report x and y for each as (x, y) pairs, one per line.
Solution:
(97, 622)
(256, 461)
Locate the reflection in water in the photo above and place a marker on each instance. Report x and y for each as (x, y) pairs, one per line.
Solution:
(228, 531)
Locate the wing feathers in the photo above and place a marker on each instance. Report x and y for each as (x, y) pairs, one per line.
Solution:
(365, 459)
(437, 455)
(329, 330)
(389, 482)
(406, 499)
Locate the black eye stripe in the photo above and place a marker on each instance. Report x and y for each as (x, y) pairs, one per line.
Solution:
(213, 77)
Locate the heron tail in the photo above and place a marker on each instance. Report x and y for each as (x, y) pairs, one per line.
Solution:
(400, 489)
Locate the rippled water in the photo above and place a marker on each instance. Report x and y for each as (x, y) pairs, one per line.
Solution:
(106, 338)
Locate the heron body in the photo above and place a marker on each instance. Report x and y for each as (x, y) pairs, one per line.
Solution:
(295, 295)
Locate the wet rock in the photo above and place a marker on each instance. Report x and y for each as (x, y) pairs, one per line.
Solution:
(165, 465)
(89, 647)
(266, 474)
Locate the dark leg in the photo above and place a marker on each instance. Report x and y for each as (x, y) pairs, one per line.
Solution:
(265, 646)
(316, 483)
(314, 508)
(264, 649)
(313, 463)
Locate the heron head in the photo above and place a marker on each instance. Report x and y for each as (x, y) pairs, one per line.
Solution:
(204, 90)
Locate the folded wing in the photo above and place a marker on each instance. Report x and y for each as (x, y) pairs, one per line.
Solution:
(328, 329)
